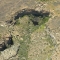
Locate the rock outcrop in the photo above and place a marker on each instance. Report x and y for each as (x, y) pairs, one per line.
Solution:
(5, 42)
(10, 52)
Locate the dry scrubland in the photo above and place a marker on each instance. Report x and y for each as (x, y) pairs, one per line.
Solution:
(29, 30)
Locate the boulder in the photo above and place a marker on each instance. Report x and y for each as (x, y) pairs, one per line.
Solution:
(10, 52)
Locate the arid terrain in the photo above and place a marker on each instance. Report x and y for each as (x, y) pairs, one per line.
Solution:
(29, 29)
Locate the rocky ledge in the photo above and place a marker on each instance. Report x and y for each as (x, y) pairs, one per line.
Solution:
(5, 42)
(10, 52)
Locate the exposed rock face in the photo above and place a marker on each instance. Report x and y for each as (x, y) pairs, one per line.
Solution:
(23, 12)
(10, 52)
(5, 42)
(33, 12)
(2, 46)
(8, 40)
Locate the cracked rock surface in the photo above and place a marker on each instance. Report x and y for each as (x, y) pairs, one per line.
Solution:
(10, 52)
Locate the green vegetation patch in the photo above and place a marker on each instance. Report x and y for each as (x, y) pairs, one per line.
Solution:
(26, 25)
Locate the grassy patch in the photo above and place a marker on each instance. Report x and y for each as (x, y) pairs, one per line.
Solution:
(17, 22)
(26, 26)
(23, 52)
(44, 20)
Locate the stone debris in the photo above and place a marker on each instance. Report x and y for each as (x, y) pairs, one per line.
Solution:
(10, 52)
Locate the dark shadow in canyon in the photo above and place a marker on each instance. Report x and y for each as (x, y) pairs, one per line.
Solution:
(42, 13)
(6, 43)
(24, 12)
